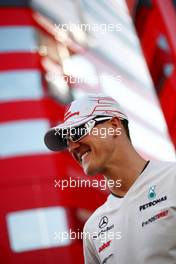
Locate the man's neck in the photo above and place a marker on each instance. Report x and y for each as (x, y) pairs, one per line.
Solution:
(127, 171)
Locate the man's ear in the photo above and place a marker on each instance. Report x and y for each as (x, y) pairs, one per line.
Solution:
(116, 125)
(115, 122)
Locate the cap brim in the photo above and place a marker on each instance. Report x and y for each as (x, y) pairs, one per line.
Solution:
(54, 137)
(54, 141)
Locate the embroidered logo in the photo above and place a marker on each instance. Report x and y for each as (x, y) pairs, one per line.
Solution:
(152, 193)
(105, 245)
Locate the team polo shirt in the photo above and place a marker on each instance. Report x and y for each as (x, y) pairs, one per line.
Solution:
(139, 228)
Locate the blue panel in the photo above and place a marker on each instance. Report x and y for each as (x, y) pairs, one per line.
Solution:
(18, 39)
(20, 85)
(23, 137)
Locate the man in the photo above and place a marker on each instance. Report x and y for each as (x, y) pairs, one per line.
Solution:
(137, 223)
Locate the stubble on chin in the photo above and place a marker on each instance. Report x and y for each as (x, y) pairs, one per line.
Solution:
(90, 171)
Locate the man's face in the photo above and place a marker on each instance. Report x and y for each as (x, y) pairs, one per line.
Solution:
(94, 151)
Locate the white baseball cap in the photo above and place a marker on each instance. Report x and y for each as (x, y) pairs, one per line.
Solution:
(79, 112)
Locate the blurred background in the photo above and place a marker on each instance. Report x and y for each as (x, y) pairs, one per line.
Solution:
(53, 51)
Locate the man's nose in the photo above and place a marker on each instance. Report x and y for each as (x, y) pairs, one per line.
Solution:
(72, 146)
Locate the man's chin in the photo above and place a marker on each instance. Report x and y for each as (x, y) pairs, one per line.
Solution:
(89, 171)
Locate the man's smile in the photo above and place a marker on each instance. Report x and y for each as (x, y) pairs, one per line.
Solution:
(84, 156)
(81, 155)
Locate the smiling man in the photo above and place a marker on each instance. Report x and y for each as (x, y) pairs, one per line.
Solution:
(137, 223)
